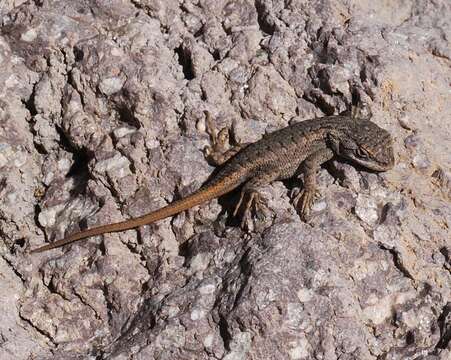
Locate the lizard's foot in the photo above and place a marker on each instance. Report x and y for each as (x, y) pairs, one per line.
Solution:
(220, 150)
(219, 142)
(303, 200)
(255, 206)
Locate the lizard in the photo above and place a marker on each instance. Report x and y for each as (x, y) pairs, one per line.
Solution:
(298, 149)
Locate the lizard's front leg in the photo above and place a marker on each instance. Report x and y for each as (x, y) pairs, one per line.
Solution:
(218, 153)
(304, 200)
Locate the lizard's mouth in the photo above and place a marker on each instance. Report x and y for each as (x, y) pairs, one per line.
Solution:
(373, 164)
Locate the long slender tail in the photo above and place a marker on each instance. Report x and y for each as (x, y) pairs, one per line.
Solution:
(202, 195)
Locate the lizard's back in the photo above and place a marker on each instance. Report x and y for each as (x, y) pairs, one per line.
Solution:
(283, 149)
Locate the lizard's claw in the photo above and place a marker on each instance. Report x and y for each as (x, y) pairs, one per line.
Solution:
(304, 200)
(255, 206)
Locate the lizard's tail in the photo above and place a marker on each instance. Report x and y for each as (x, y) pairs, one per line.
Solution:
(202, 195)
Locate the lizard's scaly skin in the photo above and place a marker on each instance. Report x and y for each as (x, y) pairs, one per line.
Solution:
(297, 149)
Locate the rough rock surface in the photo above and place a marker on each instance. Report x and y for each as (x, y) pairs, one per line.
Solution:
(101, 119)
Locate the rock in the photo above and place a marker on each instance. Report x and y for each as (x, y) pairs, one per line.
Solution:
(102, 119)
(366, 209)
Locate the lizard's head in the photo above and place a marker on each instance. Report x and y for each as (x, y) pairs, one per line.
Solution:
(366, 144)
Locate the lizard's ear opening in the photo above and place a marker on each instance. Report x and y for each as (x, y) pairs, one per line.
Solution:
(334, 143)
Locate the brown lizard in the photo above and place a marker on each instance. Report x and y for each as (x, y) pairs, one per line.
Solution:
(297, 149)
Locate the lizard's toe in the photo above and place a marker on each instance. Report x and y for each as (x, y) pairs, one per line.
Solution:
(254, 207)
(261, 211)
(247, 224)
(296, 195)
(304, 202)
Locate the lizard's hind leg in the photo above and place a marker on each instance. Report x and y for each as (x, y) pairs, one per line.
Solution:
(218, 153)
(253, 204)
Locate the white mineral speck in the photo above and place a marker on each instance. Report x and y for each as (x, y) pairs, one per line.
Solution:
(199, 262)
(208, 341)
(111, 85)
(29, 35)
(207, 289)
(123, 131)
(304, 294)
(366, 209)
(197, 314)
(47, 217)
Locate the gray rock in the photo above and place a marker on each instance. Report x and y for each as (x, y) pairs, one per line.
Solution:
(102, 119)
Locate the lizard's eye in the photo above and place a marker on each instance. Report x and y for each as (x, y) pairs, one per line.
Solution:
(361, 153)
